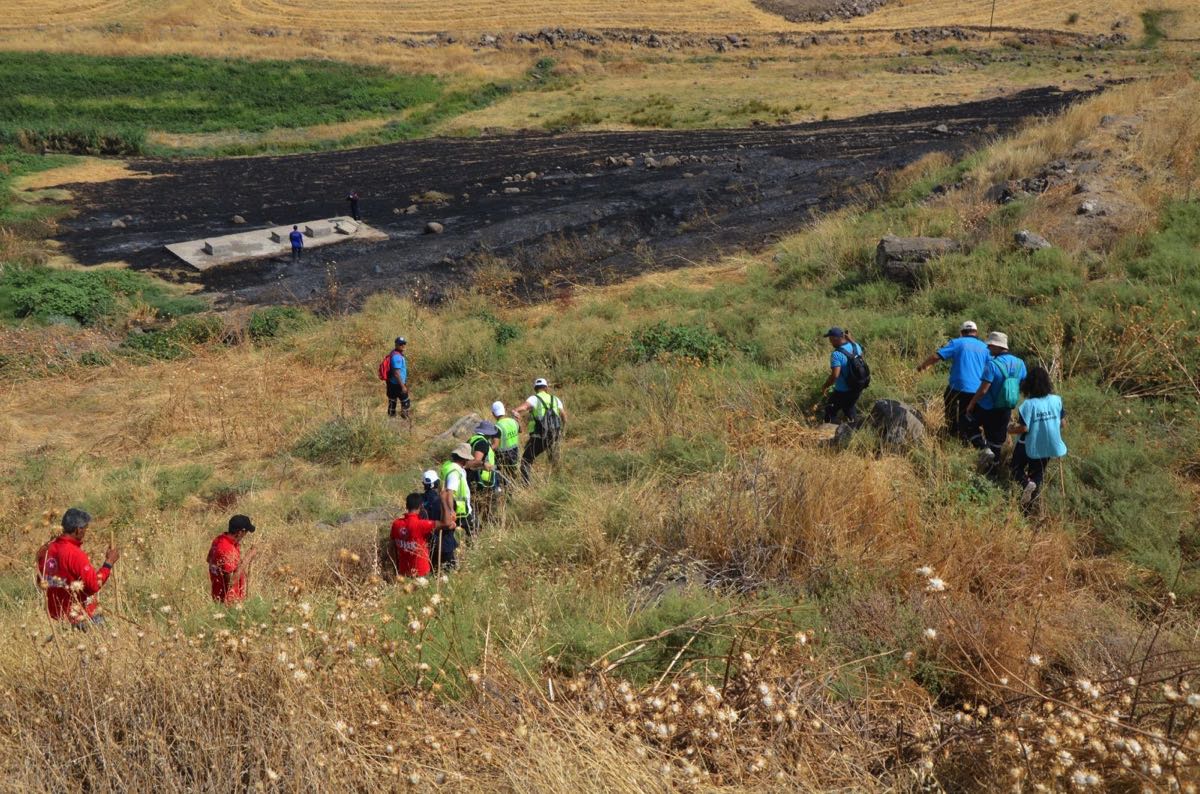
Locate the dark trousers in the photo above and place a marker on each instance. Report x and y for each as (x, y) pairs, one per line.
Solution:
(508, 462)
(1026, 469)
(396, 392)
(536, 446)
(845, 402)
(992, 431)
(354, 209)
(442, 546)
(955, 405)
(296, 253)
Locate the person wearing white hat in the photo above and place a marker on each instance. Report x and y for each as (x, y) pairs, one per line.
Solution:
(968, 355)
(549, 419)
(993, 402)
(508, 453)
(456, 492)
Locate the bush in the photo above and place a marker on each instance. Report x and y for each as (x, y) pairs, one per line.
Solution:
(275, 321)
(175, 485)
(86, 296)
(687, 341)
(176, 341)
(345, 440)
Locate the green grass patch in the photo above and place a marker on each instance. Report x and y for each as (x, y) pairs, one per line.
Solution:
(106, 104)
(86, 297)
(1152, 26)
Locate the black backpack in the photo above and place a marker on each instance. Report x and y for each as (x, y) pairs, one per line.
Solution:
(550, 426)
(858, 374)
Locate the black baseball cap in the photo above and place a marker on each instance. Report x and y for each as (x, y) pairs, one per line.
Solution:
(240, 523)
(835, 331)
(401, 341)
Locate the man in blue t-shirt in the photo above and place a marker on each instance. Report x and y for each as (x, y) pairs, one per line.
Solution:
(397, 380)
(844, 398)
(967, 356)
(992, 403)
(297, 238)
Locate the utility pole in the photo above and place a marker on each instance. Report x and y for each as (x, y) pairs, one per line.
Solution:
(991, 20)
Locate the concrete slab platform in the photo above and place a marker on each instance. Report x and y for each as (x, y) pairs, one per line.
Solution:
(228, 249)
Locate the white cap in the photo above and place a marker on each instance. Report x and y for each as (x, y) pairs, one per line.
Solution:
(430, 477)
(540, 382)
(497, 409)
(969, 325)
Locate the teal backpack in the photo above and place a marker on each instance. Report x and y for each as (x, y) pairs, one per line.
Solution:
(1009, 393)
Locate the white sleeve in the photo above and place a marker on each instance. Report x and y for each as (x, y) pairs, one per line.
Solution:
(452, 481)
(532, 402)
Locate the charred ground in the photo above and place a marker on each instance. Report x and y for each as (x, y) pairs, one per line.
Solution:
(557, 209)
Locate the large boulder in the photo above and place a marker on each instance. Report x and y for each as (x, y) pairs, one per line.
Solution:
(905, 259)
(898, 424)
(1031, 241)
(460, 430)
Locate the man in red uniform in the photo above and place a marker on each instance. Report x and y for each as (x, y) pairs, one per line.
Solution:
(226, 565)
(410, 538)
(64, 570)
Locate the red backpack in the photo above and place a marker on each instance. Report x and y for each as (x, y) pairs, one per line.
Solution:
(385, 367)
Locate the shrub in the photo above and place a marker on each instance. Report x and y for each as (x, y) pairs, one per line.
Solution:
(176, 484)
(176, 340)
(345, 440)
(275, 321)
(86, 296)
(687, 341)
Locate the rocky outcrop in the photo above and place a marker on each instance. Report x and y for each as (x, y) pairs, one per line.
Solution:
(905, 259)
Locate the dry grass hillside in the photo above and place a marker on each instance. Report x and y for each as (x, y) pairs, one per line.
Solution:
(704, 596)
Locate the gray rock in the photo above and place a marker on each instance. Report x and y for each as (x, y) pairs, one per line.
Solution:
(433, 227)
(1031, 241)
(460, 430)
(942, 128)
(905, 259)
(511, 190)
(1088, 207)
(237, 219)
(899, 425)
(118, 224)
(411, 209)
(670, 161)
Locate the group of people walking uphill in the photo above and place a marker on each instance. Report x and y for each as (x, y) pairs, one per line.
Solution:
(986, 384)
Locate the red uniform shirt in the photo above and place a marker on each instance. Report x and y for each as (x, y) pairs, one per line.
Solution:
(70, 580)
(410, 535)
(224, 557)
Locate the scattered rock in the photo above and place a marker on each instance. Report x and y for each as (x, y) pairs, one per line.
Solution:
(1088, 207)
(512, 190)
(411, 209)
(397, 211)
(904, 259)
(670, 161)
(531, 175)
(118, 224)
(461, 430)
(942, 129)
(433, 227)
(237, 220)
(899, 425)
(1031, 241)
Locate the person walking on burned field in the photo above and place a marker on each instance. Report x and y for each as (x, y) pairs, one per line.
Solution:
(297, 239)
(227, 565)
(393, 371)
(848, 375)
(508, 451)
(443, 544)
(353, 199)
(66, 574)
(991, 405)
(546, 430)
(967, 356)
(1038, 427)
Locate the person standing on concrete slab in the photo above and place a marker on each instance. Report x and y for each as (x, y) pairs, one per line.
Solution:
(353, 199)
(968, 356)
(297, 238)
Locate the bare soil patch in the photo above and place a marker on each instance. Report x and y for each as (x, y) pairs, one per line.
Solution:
(819, 10)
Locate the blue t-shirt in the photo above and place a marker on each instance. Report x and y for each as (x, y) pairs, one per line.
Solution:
(297, 238)
(840, 358)
(1043, 416)
(399, 371)
(967, 356)
(997, 369)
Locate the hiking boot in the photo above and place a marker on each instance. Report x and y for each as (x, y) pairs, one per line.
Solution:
(987, 459)
(1028, 493)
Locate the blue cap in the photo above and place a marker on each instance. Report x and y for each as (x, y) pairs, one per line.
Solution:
(835, 331)
(401, 341)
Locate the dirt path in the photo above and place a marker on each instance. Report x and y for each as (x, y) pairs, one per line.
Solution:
(582, 218)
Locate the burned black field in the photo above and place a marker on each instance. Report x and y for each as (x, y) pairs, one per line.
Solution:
(556, 209)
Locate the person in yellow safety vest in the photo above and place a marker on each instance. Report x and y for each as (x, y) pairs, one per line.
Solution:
(549, 419)
(508, 452)
(481, 470)
(456, 493)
